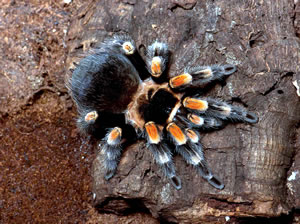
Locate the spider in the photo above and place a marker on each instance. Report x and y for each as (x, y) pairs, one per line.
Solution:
(121, 98)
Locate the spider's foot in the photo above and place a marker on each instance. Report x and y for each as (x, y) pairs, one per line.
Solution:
(251, 117)
(211, 178)
(161, 153)
(109, 174)
(216, 109)
(200, 76)
(176, 182)
(157, 58)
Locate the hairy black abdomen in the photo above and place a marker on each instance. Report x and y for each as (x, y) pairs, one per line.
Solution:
(105, 81)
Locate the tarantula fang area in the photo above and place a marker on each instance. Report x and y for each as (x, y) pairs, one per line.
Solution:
(120, 98)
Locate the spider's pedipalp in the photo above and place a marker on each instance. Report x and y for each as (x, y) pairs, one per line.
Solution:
(200, 76)
(157, 58)
(161, 153)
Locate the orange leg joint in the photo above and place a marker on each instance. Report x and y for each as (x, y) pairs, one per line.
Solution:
(114, 136)
(176, 133)
(128, 48)
(152, 132)
(91, 116)
(192, 135)
(195, 104)
(195, 119)
(180, 80)
(156, 67)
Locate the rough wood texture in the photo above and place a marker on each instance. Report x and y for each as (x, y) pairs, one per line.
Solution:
(255, 161)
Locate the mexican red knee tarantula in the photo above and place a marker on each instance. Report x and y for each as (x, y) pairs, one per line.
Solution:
(120, 97)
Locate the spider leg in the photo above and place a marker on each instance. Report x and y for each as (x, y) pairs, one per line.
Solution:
(161, 153)
(200, 76)
(111, 149)
(203, 122)
(128, 48)
(157, 58)
(218, 109)
(100, 124)
(188, 146)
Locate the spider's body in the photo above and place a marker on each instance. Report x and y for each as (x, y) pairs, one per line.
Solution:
(118, 95)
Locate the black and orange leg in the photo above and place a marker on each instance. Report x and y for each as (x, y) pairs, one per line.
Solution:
(195, 146)
(111, 150)
(157, 59)
(125, 45)
(187, 145)
(200, 76)
(202, 122)
(130, 50)
(161, 153)
(218, 109)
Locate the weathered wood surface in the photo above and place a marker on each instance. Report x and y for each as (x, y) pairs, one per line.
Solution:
(256, 162)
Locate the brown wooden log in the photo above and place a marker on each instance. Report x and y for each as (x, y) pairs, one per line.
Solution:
(259, 164)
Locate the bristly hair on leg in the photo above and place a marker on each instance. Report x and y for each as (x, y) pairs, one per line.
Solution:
(120, 97)
(111, 149)
(198, 77)
(157, 58)
(161, 153)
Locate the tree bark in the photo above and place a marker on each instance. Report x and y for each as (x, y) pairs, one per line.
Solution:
(260, 163)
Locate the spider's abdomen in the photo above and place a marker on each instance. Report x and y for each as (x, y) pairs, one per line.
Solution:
(105, 81)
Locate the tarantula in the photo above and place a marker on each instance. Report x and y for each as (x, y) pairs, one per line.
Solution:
(120, 97)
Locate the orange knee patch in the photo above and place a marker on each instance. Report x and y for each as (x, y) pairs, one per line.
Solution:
(195, 104)
(114, 135)
(180, 80)
(152, 132)
(156, 66)
(206, 73)
(192, 135)
(195, 119)
(177, 133)
(128, 48)
(91, 116)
